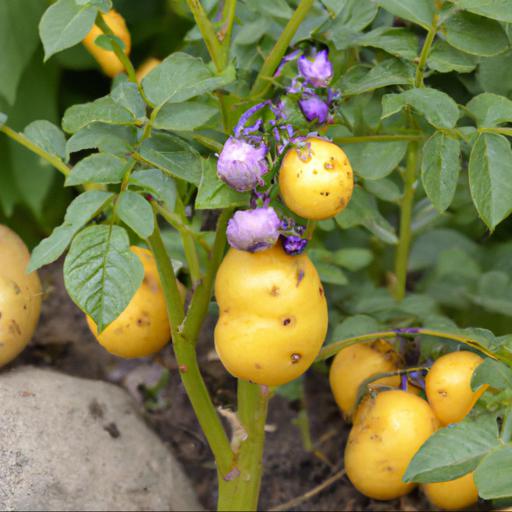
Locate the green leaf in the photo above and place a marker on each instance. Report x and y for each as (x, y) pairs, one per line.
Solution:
(353, 258)
(436, 106)
(420, 12)
(181, 77)
(331, 274)
(98, 168)
(494, 373)
(102, 5)
(494, 292)
(184, 116)
(101, 273)
(81, 210)
(65, 24)
(440, 168)
(475, 35)
(136, 213)
(362, 210)
(495, 74)
(453, 451)
(106, 138)
(490, 110)
(356, 325)
(173, 156)
(493, 476)
(156, 183)
(399, 42)
(359, 79)
(490, 169)
(251, 33)
(375, 160)
(500, 10)
(384, 189)
(127, 95)
(47, 136)
(274, 8)
(107, 42)
(445, 58)
(214, 193)
(103, 110)
(18, 41)
(3, 119)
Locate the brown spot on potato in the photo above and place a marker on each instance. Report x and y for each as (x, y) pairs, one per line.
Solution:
(442, 392)
(14, 328)
(258, 366)
(17, 289)
(390, 469)
(321, 290)
(376, 437)
(328, 166)
(295, 358)
(144, 319)
(325, 193)
(225, 310)
(287, 321)
(112, 429)
(274, 291)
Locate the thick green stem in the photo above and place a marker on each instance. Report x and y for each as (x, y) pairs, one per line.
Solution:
(27, 143)
(357, 139)
(404, 242)
(242, 491)
(189, 246)
(228, 17)
(425, 51)
(272, 61)
(186, 357)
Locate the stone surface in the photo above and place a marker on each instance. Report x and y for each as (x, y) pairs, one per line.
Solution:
(76, 444)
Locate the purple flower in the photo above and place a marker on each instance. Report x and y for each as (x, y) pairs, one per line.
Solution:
(314, 109)
(241, 165)
(317, 69)
(293, 245)
(253, 230)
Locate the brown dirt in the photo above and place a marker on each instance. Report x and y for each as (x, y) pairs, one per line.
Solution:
(64, 342)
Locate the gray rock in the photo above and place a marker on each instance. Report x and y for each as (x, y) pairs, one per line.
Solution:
(75, 444)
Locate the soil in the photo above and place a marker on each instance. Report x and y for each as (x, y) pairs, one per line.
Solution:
(64, 342)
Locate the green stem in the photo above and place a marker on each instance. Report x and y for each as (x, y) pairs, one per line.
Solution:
(404, 242)
(27, 143)
(425, 51)
(333, 348)
(189, 246)
(202, 295)
(272, 61)
(186, 357)
(241, 493)
(501, 131)
(356, 139)
(228, 16)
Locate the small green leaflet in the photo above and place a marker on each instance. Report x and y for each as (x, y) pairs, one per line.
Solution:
(494, 474)
(500, 10)
(136, 213)
(445, 58)
(98, 168)
(127, 95)
(158, 184)
(490, 110)
(47, 136)
(185, 116)
(420, 12)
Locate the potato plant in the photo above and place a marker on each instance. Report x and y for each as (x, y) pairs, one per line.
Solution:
(336, 174)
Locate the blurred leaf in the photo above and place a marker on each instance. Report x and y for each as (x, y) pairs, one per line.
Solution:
(495, 74)
(494, 474)
(445, 58)
(490, 168)
(353, 258)
(494, 373)
(490, 110)
(185, 116)
(420, 12)
(384, 189)
(107, 42)
(81, 210)
(359, 79)
(103, 5)
(500, 10)
(251, 33)
(274, 8)
(436, 106)
(127, 95)
(101, 273)
(136, 213)
(47, 136)
(18, 41)
(440, 169)
(399, 42)
(173, 156)
(214, 193)
(157, 184)
(103, 110)
(98, 168)
(355, 326)
(475, 35)
(375, 160)
(180, 77)
(453, 451)
(331, 274)
(494, 293)
(65, 24)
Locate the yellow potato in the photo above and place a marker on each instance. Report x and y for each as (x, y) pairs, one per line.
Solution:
(453, 495)
(387, 432)
(107, 59)
(316, 181)
(146, 67)
(354, 364)
(273, 315)
(448, 386)
(143, 327)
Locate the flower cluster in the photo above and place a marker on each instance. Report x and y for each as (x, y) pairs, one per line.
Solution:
(246, 159)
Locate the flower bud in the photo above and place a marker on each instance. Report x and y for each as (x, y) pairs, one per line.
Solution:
(317, 69)
(314, 109)
(253, 230)
(241, 165)
(293, 245)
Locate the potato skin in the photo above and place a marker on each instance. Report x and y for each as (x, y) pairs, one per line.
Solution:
(356, 363)
(146, 67)
(316, 183)
(387, 432)
(143, 327)
(456, 494)
(273, 315)
(108, 60)
(448, 386)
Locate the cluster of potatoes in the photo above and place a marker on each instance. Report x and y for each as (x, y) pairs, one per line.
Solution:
(272, 308)
(20, 296)
(391, 424)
